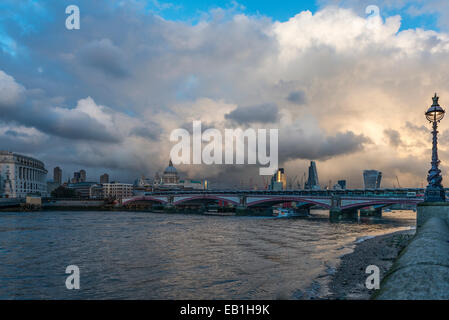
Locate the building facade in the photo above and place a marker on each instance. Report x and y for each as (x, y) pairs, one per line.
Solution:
(189, 184)
(104, 178)
(116, 190)
(83, 189)
(21, 175)
(342, 184)
(279, 180)
(57, 175)
(83, 176)
(79, 176)
(372, 179)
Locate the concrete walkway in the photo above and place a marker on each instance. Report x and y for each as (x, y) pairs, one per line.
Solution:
(422, 269)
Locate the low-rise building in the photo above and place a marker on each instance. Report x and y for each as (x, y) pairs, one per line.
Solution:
(96, 191)
(83, 189)
(193, 184)
(117, 190)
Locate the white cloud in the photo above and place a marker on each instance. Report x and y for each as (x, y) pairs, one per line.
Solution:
(10, 91)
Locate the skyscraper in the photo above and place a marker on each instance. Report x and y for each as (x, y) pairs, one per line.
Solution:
(76, 177)
(57, 175)
(312, 181)
(372, 179)
(82, 175)
(104, 178)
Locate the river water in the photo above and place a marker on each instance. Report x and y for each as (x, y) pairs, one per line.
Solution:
(141, 255)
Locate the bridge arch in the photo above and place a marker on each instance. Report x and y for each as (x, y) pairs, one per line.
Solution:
(277, 200)
(144, 198)
(385, 202)
(205, 197)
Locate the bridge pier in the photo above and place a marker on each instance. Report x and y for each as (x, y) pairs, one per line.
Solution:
(242, 210)
(337, 214)
(371, 212)
(304, 211)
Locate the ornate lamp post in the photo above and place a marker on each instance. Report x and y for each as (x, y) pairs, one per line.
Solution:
(434, 191)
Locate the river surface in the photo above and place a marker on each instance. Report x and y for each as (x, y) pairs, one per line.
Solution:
(141, 255)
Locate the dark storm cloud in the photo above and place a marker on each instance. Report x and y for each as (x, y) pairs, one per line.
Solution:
(297, 97)
(264, 113)
(103, 55)
(319, 147)
(393, 137)
(21, 142)
(65, 124)
(32, 111)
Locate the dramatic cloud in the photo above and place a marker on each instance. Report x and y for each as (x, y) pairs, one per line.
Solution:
(87, 121)
(299, 144)
(264, 113)
(104, 56)
(347, 92)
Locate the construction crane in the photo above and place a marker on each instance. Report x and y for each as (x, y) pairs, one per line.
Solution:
(291, 182)
(303, 179)
(399, 185)
(264, 182)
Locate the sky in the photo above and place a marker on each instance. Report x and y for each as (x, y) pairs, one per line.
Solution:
(345, 82)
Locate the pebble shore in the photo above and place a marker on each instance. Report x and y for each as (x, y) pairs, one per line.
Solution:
(348, 282)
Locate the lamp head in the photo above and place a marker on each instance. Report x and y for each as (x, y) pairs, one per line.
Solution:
(435, 112)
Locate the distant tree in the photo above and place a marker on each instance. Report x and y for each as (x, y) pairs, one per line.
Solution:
(63, 192)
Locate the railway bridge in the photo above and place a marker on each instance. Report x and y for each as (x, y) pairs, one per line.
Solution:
(340, 203)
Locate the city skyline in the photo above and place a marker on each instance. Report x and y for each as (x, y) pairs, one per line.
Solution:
(93, 102)
(311, 179)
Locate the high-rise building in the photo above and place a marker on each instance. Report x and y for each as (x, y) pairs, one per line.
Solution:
(104, 178)
(312, 181)
(279, 180)
(21, 175)
(372, 179)
(57, 175)
(82, 176)
(76, 177)
(342, 184)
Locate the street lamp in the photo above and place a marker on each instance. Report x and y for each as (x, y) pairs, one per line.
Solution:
(434, 190)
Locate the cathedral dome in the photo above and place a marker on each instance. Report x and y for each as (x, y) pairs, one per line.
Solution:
(170, 168)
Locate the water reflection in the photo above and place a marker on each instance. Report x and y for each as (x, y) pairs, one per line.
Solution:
(132, 255)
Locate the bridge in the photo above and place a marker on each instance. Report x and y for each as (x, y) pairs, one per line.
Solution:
(340, 203)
